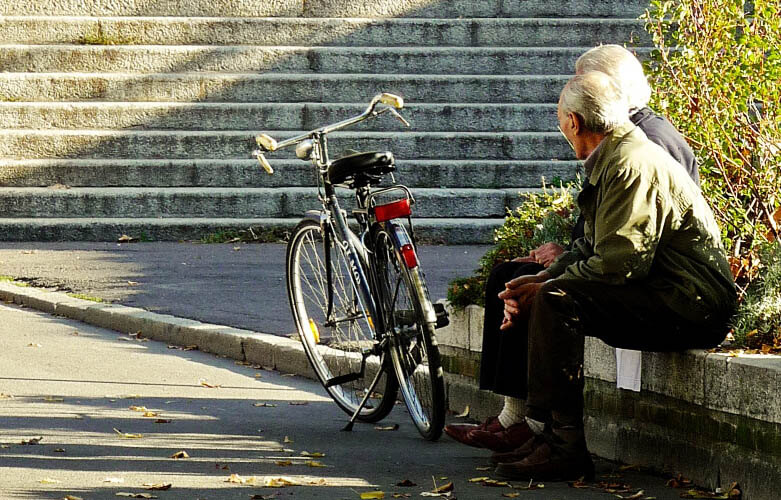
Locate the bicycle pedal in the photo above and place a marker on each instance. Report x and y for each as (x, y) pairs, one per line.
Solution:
(443, 319)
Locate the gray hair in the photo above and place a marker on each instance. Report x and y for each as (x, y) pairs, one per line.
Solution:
(621, 65)
(596, 98)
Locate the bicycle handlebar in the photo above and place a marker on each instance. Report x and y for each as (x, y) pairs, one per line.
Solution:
(268, 144)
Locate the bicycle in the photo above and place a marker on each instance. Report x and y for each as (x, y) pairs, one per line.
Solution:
(359, 300)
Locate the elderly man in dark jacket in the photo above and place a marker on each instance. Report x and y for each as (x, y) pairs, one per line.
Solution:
(650, 273)
(503, 370)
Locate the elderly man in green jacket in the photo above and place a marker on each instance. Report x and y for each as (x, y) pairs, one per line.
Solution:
(650, 274)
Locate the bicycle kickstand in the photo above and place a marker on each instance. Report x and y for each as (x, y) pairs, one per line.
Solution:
(349, 426)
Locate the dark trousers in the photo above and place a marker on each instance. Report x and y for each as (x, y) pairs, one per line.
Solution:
(503, 364)
(627, 316)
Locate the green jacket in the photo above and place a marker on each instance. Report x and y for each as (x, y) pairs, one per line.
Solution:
(647, 222)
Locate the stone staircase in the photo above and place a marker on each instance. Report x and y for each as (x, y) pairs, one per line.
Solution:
(136, 117)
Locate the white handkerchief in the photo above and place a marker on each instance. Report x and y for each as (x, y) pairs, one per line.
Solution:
(628, 369)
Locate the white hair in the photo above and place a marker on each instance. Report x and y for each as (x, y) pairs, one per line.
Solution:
(621, 65)
(596, 98)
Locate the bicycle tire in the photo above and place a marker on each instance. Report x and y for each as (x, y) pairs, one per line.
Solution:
(333, 347)
(414, 353)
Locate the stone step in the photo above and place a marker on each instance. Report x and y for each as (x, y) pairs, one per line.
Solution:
(226, 59)
(232, 202)
(250, 87)
(328, 8)
(281, 116)
(449, 231)
(480, 174)
(60, 144)
(545, 32)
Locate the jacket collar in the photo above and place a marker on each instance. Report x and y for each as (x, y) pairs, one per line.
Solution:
(595, 164)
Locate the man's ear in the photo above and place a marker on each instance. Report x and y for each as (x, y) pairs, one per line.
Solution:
(577, 122)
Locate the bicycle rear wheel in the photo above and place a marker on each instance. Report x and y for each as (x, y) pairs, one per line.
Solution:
(335, 330)
(415, 356)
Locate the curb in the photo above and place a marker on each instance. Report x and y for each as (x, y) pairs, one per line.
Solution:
(270, 351)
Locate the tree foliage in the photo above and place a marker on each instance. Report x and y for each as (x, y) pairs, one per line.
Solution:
(716, 74)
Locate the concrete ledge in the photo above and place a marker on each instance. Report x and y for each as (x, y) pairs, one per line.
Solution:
(712, 417)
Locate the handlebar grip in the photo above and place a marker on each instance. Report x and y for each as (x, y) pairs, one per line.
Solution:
(264, 162)
(392, 100)
(266, 142)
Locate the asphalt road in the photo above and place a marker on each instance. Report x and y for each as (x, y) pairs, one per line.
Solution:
(239, 285)
(67, 428)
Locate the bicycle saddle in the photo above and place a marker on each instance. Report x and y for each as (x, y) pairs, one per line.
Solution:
(361, 169)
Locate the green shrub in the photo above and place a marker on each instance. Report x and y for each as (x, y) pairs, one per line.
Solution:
(547, 216)
(758, 321)
(716, 72)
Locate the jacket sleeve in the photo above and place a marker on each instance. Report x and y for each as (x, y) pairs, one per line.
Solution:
(627, 229)
(581, 250)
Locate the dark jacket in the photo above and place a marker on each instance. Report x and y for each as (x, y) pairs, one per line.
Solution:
(660, 131)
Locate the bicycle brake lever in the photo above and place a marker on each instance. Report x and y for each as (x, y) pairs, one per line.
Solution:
(263, 162)
(399, 117)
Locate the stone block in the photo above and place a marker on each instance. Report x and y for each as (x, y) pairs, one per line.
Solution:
(475, 324)
(456, 334)
(675, 374)
(747, 386)
(599, 360)
(462, 392)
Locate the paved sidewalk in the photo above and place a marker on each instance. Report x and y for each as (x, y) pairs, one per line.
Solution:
(68, 388)
(239, 285)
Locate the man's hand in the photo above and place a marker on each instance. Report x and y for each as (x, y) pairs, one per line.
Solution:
(518, 296)
(546, 253)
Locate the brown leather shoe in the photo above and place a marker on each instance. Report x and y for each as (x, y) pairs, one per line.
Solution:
(460, 432)
(548, 462)
(519, 453)
(503, 441)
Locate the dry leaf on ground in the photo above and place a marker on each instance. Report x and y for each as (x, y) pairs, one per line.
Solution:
(158, 486)
(372, 495)
(150, 414)
(264, 405)
(315, 463)
(71, 497)
(204, 383)
(135, 495)
(163, 421)
(464, 413)
(127, 435)
(180, 454)
(126, 239)
(284, 463)
(315, 454)
(393, 427)
(406, 483)
(32, 441)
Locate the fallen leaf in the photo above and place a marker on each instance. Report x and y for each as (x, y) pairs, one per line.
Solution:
(158, 486)
(464, 413)
(53, 399)
(315, 463)
(313, 455)
(637, 496)
(131, 396)
(59, 450)
(150, 414)
(135, 495)
(163, 421)
(204, 383)
(258, 375)
(445, 488)
(393, 427)
(236, 479)
(48, 480)
(511, 495)
(71, 497)
(284, 463)
(265, 405)
(478, 479)
(5, 396)
(372, 495)
(483, 468)
(278, 482)
(125, 239)
(180, 454)
(401, 495)
(406, 483)
(32, 441)
(132, 283)
(126, 435)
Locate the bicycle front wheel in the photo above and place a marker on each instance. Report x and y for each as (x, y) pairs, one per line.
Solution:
(336, 331)
(414, 353)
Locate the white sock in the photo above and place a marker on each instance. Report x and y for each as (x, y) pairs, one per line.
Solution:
(513, 411)
(535, 425)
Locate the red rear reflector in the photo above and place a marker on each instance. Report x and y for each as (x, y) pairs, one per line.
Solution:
(392, 210)
(408, 253)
